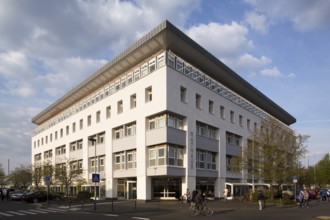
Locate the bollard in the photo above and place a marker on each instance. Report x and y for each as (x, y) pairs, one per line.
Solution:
(82, 204)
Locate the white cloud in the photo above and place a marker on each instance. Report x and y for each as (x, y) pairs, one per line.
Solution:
(247, 62)
(257, 22)
(274, 72)
(225, 40)
(304, 14)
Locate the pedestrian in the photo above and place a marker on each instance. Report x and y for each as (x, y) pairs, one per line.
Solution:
(1, 194)
(225, 194)
(261, 198)
(187, 195)
(198, 200)
(301, 198)
(306, 198)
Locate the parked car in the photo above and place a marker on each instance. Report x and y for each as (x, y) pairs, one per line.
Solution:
(18, 194)
(39, 196)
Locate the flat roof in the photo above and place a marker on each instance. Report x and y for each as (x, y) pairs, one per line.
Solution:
(166, 37)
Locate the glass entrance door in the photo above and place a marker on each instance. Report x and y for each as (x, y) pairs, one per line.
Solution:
(131, 190)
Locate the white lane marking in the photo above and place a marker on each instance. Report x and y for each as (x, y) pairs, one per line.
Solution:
(5, 214)
(27, 212)
(34, 210)
(15, 213)
(140, 218)
(111, 215)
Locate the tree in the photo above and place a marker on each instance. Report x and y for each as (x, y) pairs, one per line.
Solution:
(322, 170)
(67, 173)
(21, 177)
(2, 176)
(273, 153)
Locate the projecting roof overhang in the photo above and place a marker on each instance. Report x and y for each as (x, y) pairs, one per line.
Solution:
(166, 37)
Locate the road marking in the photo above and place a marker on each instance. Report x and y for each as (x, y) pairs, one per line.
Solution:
(15, 213)
(111, 215)
(5, 214)
(34, 210)
(140, 218)
(27, 212)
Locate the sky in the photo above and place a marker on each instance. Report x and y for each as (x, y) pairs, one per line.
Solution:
(48, 47)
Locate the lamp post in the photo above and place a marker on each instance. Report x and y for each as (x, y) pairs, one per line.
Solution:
(93, 140)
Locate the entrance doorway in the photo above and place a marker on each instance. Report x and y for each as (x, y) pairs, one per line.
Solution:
(131, 190)
(166, 188)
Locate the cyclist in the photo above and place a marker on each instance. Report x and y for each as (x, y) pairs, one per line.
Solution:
(199, 200)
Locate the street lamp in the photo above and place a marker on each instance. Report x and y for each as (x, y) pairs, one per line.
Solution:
(93, 140)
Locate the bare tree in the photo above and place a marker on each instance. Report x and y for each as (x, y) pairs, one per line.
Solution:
(273, 153)
(67, 173)
(21, 177)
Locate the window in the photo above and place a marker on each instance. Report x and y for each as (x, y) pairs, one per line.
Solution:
(148, 94)
(211, 110)
(152, 65)
(166, 119)
(81, 124)
(144, 69)
(131, 159)
(171, 155)
(206, 130)
(160, 60)
(67, 130)
(133, 101)
(171, 60)
(232, 117)
(73, 127)
(98, 116)
(205, 159)
(183, 94)
(89, 120)
(130, 129)
(222, 112)
(248, 124)
(80, 144)
(179, 65)
(108, 112)
(198, 101)
(240, 120)
(119, 132)
(120, 107)
(61, 132)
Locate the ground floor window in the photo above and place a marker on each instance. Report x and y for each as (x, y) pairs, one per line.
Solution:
(166, 187)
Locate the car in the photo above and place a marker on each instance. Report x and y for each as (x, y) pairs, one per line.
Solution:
(40, 196)
(18, 195)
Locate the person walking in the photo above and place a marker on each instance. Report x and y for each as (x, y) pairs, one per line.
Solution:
(306, 198)
(261, 198)
(187, 195)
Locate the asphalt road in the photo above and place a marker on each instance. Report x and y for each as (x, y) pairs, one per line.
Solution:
(158, 211)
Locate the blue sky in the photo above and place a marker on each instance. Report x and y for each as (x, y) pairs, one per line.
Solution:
(48, 47)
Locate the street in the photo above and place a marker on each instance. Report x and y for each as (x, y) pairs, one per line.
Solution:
(159, 211)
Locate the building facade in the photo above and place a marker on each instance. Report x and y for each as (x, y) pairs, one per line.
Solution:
(162, 116)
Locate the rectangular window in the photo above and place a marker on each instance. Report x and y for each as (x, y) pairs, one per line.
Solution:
(133, 101)
(73, 127)
(171, 60)
(148, 94)
(81, 124)
(211, 107)
(222, 112)
(61, 132)
(136, 74)
(171, 155)
(89, 120)
(240, 119)
(152, 157)
(144, 69)
(232, 117)
(160, 60)
(248, 124)
(67, 130)
(98, 116)
(108, 112)
(161, 156)
(183, 94)
(152, 65)
(198, 101)
(120, 107)
(130, 129)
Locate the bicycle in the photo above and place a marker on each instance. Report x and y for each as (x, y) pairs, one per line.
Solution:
(201, 209)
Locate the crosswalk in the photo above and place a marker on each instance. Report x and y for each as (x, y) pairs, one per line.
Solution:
(31, 212)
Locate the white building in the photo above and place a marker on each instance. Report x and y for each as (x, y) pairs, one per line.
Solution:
(166, 115)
